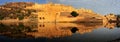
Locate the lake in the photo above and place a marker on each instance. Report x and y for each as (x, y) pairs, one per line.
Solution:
(59, 32)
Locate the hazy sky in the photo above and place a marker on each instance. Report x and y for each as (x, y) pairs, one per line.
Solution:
(99, 6)
(38, 1)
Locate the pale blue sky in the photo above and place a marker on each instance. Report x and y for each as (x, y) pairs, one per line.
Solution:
(37, 1)
(98, 6)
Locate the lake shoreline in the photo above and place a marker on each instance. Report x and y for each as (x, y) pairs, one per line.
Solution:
(14, 20)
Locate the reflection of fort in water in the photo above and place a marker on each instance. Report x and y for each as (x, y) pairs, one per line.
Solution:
(49, 30)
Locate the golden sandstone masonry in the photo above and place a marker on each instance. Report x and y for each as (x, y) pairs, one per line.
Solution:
(60, 13)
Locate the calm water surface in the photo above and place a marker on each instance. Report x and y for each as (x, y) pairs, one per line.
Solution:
(59, 32)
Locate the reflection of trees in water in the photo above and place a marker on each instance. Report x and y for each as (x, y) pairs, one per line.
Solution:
(25, 29)
(118, 25)
(74, 29)
(31, 29)
(15, 30)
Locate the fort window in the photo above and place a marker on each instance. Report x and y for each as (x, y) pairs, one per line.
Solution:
(43, 17)
(43, 25)
(40, 17)
(40, 25)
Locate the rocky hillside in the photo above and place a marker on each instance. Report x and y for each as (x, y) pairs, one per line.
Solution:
(17, 4)
(15, 10)
(23, 10)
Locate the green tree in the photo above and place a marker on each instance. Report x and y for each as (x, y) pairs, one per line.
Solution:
(21, 17)
(1, 17)
(74, 13)
(118, 16)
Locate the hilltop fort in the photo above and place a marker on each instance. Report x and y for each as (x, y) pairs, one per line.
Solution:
(49, 12)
